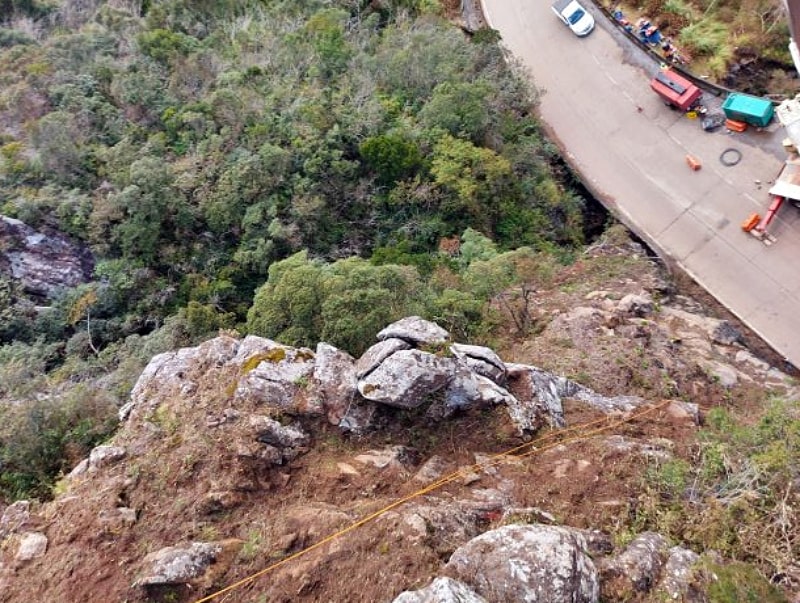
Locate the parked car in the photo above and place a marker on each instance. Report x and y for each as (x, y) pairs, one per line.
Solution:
(574, 16)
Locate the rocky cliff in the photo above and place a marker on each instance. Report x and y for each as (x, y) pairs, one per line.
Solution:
(44, 262)
(450, 471)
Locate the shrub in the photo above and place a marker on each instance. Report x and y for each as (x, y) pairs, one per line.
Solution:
(42, 438)
(706, 37)
(738, 583)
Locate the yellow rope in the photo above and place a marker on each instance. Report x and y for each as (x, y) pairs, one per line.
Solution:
(493, 460)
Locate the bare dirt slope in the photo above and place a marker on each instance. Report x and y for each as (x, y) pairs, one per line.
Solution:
(184, 480)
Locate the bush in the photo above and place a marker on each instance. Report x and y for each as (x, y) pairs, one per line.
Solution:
(12, 37)
(738, 583)
(740, 496)
(706, 37)
(40, 439)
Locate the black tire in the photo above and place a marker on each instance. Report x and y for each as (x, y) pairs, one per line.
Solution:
(730, 157)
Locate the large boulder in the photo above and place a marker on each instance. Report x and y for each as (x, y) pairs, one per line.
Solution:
(469, 389)
(335, 380)
(377, 353)
(531, 563)
(273, 442)
(43, 262)
(269, 431)
(481, 360)
(638, 567)
(175, 374)
(539, 394)
(441, 590)
(278, 376)
(444, 524)
(99, 457)
(406, 378)
(676, 577)
(416, 331)
(175, 565)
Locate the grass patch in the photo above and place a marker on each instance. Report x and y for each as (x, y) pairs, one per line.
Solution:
(738, 583)
(707, 37)
(737, 496)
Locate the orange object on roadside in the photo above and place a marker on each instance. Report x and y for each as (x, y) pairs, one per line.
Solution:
(751, 222)
(735, 126)
(693, 162)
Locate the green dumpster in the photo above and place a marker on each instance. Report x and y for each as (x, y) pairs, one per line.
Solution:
(749, 109)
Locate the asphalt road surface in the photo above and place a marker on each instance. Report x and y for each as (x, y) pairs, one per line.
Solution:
(630, 150)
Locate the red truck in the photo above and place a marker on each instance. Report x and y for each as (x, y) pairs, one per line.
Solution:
(676, 90)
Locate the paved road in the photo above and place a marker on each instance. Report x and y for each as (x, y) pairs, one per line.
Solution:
(630, 150)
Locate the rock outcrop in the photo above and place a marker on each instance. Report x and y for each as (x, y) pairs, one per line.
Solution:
(535, 563)
(392, 373)
(43, 262)
(233, 438)
(179, 565)
(441, 590)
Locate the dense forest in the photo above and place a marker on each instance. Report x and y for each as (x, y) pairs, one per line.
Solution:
(301, 170)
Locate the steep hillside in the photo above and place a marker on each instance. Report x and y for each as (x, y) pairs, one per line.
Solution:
(618, 420)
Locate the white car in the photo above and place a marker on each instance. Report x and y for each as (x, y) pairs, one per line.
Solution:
(574, 16)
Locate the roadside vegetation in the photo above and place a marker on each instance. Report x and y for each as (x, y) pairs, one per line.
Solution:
(737, 497)
(741, 44)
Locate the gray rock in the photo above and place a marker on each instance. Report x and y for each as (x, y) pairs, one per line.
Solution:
(271, 432)
(723, 373)
(359, 416)
(653, 450)
(335, 380)
(481, 360)
(116, 519)
(165, 372)
(31, 546)
(640, 563)
(218, 500)
(172, 375)
(178, 565)
(415, 330)
(377, 353)
(102, 456)
(469, 389)
(441, 590)
(538, 395)
(444, 524)
(79, 469)
(406, 378)
(394, 456)
(636, 305)
(531, 563)
(127, 515)
(43, 262)
(15, 516)
(677, 574)
(279, 379)
(725, 333)
(431, 470)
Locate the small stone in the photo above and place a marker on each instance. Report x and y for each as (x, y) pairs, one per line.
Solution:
(346, 469)
(31, 546)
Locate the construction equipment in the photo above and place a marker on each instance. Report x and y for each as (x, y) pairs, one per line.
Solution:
(757, 226)
(787, 184)
(677, 91)
(748, 109)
